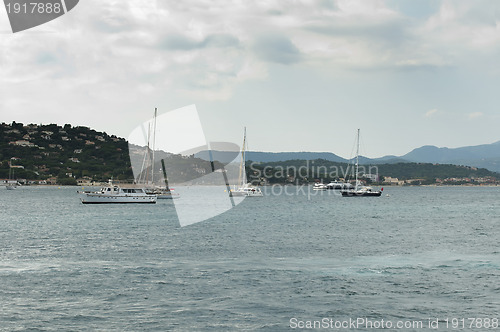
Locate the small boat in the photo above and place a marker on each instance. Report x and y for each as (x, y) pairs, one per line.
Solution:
(162, 193)
(245, 189)
(320, 186)
(360, 191)
(339, 185)
(168, 195)
(117, 195)
(11, 186)
(12, 183)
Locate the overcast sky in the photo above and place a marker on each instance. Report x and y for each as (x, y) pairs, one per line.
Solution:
(300, 75)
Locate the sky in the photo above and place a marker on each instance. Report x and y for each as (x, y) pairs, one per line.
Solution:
(301, 75)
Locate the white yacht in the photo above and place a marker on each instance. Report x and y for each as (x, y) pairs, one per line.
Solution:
(117, 195)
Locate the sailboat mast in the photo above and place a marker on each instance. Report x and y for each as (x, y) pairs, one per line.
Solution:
(357, 160)
(154, 143)
(148, 155)
(241, 177)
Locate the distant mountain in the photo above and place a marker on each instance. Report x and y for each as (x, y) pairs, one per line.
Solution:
(269, 157)
(282, 156)
(485, 155)
(481, 156)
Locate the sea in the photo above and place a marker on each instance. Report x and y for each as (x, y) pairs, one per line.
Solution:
(414, 259)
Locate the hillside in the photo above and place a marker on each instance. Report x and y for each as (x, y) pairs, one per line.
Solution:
(62, 152)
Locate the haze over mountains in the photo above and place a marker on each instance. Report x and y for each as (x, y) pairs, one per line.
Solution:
(482, 156)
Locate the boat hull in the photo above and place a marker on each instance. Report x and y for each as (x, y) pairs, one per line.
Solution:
(339, 186)
(249, 193)
(167, 196)
(116, 199)
(361, 194)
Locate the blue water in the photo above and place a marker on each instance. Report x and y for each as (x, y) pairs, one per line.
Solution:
(423, 252)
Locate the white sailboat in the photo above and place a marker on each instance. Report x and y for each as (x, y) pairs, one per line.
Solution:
(12, 182)
(147, 179)
(360, 191)
(245, 189)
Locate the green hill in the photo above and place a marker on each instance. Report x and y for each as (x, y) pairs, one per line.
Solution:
(307, 171)
(65, 153)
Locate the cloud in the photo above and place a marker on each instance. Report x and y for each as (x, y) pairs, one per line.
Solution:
(207, 48)
(475, 115)
(431, 113)
(461, 30)
(182, 43)
(277, 49)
